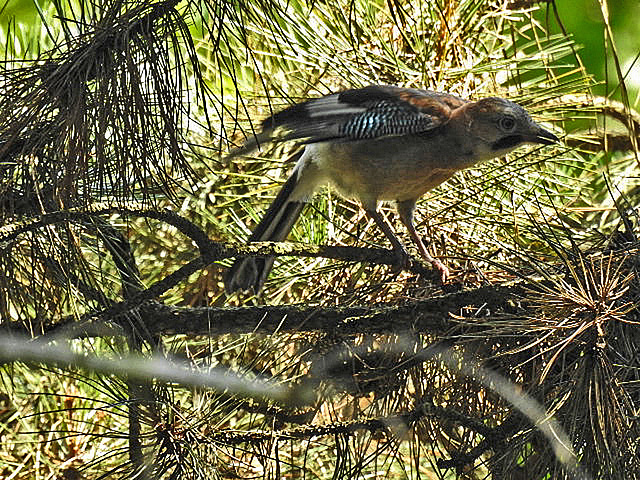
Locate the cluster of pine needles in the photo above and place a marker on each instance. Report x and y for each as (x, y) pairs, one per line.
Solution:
(124, 358)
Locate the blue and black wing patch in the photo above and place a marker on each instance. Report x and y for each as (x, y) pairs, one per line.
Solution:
(386, 118)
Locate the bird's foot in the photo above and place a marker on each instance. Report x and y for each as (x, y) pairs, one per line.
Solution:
(402, 260)
(442, 268)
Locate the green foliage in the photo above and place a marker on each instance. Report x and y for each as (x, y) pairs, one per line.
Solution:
(583, 21)
(120, 102)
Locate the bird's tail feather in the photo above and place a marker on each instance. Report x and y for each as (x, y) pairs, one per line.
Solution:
(251, 272)
(252, 142)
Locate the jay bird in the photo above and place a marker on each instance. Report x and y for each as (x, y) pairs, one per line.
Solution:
(380, 143)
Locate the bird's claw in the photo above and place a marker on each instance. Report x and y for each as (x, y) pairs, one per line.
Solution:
(442, 268)
(402, 260)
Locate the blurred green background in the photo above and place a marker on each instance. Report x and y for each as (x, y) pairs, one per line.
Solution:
(584, 21)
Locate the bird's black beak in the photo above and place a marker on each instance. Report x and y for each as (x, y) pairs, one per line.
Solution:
(544, 137)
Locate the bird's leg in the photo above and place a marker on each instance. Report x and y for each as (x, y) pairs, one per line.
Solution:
(405, 210)
(402, 257)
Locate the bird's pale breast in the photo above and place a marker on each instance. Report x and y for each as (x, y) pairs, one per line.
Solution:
(386, 169)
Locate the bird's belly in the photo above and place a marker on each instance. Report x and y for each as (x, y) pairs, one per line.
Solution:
(390, 172)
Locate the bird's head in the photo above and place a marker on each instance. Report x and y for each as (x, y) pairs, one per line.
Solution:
(496, 126)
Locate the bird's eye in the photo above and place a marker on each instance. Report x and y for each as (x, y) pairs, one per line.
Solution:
(507, 123)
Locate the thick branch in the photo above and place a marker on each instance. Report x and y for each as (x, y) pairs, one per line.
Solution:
(388, 424)
(430, 315)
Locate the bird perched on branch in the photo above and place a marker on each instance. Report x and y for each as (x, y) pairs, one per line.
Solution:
(380, 143)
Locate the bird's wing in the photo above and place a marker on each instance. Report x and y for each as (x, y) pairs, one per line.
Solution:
(359, 114)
